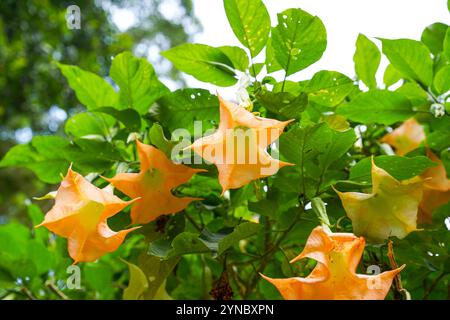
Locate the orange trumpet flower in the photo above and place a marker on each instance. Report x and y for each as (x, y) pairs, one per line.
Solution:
(153, 184)
(80, 214)
(334, 277)
(406, 137)
(238, 147)
(436, 190)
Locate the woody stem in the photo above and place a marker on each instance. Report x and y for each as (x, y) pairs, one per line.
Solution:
(397, 279)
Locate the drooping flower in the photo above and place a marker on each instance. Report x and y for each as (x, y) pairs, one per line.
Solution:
(153, 184)
(334, 276)
(436, 191)
(406, 137)
(389, 210)
(80, 214)
(238, 147)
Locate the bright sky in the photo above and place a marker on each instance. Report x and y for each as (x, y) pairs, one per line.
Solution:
(343, 19)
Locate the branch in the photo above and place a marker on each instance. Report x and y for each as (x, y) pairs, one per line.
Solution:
(397, 279)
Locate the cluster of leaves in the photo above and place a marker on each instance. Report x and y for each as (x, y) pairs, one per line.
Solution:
(220, 244)
(35, 34)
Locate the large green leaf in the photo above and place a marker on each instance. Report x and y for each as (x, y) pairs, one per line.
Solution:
(250, 22)
(138, 83)
(377, 106)
(181, 108)
(184, 243)
(44, 156)
(433, 37)
(439, 140)
(98, 276)
(237, 56)
(271, 62)
(286, 104)
(447, 44)
(412, 58)
(137, 285)
(328, 88)
(399, 167)
(90, 125)
(50, 156)
(21, 255)
(391, 76)
(337, 145)
(205, 63)
(130, 118)
(298, 40)
(302, 143)
(367, 59)
(242, 231)
(90, 89)
(442, 80)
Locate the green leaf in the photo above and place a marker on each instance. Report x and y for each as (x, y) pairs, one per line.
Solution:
(157, 138)
(91, 125)
(415, 94)
(130, 118)
(137, 285)
(36, 216)
(181, 108)
(367, 59)
(44, 156)
(283, 103)
(301, 143)
(50, 156)
(271, 62)
(328, 88)
(442, 80)
(205, 63)
(183, 243)
(98, 276)
(439, 140)
(138, 83)
(156, 270)
(447, 43)
(90, 89)
(255, 69)
(14, 239)
(377, 106)
(399, 167)
(433, 37)
(412, 58)
(250, 22)
(242, 231)
(237, 56)
(339, 143)
(391, 76)
(298, 40)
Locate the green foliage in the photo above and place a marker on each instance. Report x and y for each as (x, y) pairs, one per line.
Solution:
(138, 83)
(367, 59)
(400, 168)
(298, 40)
(377, 106)
(412, 58)
(250, 22)
(225, 239)
(204, 62)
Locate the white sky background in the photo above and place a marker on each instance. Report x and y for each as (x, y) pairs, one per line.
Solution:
(343, 19)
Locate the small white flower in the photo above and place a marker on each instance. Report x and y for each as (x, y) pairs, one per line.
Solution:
(242, 95)
(437, 110)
